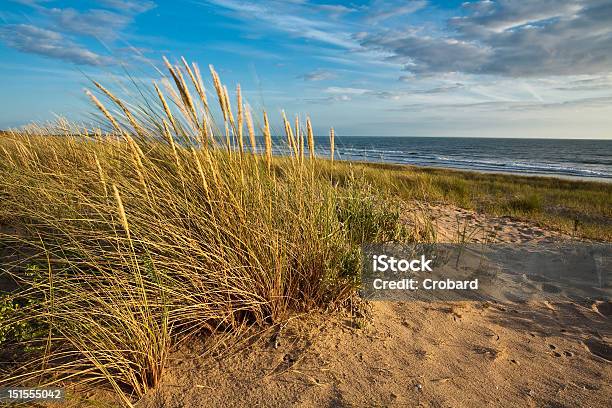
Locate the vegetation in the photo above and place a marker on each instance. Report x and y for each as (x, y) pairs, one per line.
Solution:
(578, 208)
(120, 243)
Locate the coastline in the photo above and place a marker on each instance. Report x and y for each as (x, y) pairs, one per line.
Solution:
(552, 176)
(120, 252)
(575, 158)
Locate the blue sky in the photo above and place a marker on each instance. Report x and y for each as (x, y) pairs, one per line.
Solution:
(504, 68)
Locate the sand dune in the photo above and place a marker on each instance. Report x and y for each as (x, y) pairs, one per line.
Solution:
(460, 354)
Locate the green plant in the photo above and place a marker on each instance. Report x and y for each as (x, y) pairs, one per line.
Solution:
(16, 329)
(526, 203)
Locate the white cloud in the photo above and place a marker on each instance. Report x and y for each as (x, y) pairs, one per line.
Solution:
(288, 17)
(425, 54)
(345, 90)
(96, 23)
(35, 40)
(55, 28)
(510, 38)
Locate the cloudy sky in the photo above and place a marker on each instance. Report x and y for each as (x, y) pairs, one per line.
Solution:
(499, 68)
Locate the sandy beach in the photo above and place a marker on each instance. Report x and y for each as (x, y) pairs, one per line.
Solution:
(413, 354)
(180, 242)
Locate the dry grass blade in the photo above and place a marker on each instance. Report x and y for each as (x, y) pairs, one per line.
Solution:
(200, 87)
(101, 174)
(104, 111)
(121, 211)
(197, 84)
(267, 140)
(170, 141)
(228, 106)
(220, 93)
(311, 143)
(332, 138)
(290, 138)
(166, 108)
(137, 127)
(240, 114)
(300, 138)
(181, 86)
(251, 129)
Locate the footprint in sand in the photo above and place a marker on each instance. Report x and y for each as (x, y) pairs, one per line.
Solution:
(557, 354)
(488, 352)
(553, 348)
(599, 348)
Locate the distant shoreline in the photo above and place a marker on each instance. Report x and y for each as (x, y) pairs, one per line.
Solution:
(562, 158)
(504, 173)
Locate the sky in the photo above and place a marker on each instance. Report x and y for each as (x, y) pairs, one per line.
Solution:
(492, 68)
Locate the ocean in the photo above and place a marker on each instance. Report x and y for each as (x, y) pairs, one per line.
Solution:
(583, 159)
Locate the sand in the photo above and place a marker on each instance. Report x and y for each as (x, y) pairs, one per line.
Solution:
(461, 354)
(409, 354)
(455, 224)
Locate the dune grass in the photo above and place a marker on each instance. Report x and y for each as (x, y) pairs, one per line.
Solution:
(120, 242)
(157, 223)
(579, 208)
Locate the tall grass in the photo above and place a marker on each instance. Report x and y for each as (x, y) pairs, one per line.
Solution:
(160, 225)
(577, 208)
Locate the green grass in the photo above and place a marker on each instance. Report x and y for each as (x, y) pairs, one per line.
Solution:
(579, 208)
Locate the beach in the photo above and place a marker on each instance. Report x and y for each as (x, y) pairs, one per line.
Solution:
(459, 354)
(156, 259)
(565, 158)
(466, 353)
(336, 204)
